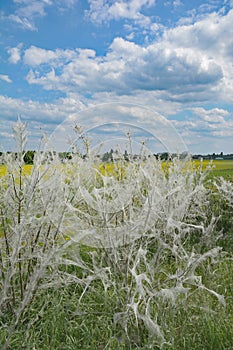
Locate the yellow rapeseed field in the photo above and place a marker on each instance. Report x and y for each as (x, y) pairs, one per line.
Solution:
(219, 167)
(2, 170)
(26, 170)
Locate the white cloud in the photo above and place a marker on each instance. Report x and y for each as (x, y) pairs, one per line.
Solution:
(206, 34)
(32, 9)
(41, 112)
(128, 9)
(35, 56)
(64, 6)
(213, 38)
(209, 129)
(214, 115)
(15, 54)
(188, 63)
(126, 68)
(105, 10)
(28, 11)
(25, 23)
(42, 118)
(5, 78)
(202, 130)
(177, 3)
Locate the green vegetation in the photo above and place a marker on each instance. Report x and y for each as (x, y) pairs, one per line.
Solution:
(222, 168)
(56, 320)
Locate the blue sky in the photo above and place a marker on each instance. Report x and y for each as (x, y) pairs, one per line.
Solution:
(60, 57)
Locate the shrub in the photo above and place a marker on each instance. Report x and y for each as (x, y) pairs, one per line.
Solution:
(133, 244)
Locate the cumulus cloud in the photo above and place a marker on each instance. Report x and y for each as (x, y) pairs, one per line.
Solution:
(206, 34)
(212, 37)
(188, 63)
(35, 56)
(105, 10)
(127, 67)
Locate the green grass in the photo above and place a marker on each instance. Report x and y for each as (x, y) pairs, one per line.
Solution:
(207, 324)
(227, 174)
(222, 168)
(56, 320)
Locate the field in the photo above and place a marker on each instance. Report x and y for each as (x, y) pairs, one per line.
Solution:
(222, 168)
(116, 258)
(26, 170)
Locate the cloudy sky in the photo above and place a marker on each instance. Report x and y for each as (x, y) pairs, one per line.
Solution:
(60, 57)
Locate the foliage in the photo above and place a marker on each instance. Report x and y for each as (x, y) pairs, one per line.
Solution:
(28, 157)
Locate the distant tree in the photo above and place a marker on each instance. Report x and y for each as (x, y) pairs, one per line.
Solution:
(106, 157)
(164, 156)
(65, 155)
(28, 157)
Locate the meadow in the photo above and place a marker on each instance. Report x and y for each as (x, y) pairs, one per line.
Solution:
(125, 256)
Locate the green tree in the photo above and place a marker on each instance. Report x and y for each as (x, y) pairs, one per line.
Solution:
(28, 157)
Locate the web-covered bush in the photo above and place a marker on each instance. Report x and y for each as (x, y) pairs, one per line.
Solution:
(134, 232)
